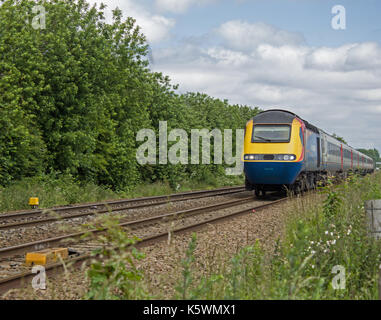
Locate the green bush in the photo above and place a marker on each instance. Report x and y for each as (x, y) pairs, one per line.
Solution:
(114, 276)
(321, 236)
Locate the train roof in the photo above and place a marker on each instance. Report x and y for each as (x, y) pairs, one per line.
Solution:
(281, 116)
(285, 116)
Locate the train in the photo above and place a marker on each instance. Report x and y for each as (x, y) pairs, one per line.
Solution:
(282, 151)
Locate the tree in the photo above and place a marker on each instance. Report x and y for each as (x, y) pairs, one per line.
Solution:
(341, 139)
(373, 153)
(81, 81)
(75, 94)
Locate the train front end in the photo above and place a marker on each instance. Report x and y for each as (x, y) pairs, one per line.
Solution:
(273, 150)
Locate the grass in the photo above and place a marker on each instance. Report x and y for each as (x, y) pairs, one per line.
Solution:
(326, 253)
(52, 191)
(63, 189)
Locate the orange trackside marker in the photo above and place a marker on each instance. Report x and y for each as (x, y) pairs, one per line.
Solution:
(46, 256)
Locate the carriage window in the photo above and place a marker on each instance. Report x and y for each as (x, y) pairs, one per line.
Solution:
(271, 133)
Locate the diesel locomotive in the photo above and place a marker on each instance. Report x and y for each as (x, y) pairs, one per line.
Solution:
(284, 152)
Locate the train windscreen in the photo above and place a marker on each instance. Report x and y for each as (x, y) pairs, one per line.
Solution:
(271, 133)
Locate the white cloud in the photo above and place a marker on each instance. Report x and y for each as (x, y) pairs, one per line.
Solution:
(242, 35)
(364, 55)
(355, 56)
(155, 27)
(328, 58)
(179, 6)
(338, 89)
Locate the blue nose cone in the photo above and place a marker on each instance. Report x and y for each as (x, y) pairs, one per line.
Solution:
(272, 172)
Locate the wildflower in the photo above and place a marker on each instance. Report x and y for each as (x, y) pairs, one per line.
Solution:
(326, 232)
(313, 252)
(333, 242)
(332, 234)
(313, 267)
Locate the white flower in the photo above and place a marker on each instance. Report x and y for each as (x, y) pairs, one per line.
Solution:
(313, 267)
(333, 242)
(313, 252)
(332, 234)
(326, 232)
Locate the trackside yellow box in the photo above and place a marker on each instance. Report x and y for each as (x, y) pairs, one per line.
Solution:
(33, 202)
(46, 256)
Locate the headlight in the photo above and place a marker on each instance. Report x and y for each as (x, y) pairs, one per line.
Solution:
(276, 157)
(285, 157)
(250, 157)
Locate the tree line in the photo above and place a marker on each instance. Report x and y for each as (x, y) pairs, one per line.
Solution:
(373, 153)
(74, 94)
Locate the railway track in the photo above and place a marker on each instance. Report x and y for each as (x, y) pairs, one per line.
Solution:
(149, 229)
(39, 217)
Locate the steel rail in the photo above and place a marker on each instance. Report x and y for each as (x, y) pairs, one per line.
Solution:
(19, 280)
(171, 197)
(46, 243)
(105, 210)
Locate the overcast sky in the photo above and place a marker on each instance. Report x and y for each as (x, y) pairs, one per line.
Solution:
(273, 54)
